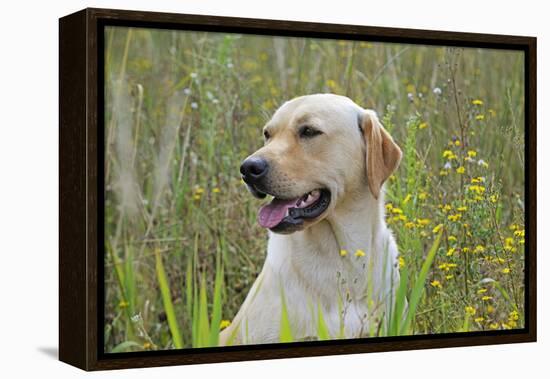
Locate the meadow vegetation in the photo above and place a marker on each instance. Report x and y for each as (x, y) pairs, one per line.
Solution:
(182, 244)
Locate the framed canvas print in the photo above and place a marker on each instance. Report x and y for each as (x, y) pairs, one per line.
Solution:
(237, 189)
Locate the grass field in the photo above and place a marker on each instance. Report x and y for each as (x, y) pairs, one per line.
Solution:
(182, 245)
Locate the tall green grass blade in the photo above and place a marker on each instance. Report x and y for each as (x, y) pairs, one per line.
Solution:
(195, 332)
(130, 283)
(286, 330)
(216, 308)
(466, 324)
(167, 301)
(418, 289)
(502, 291)
(189, 287)
(204, 325)
(400, 303)
(322, 329)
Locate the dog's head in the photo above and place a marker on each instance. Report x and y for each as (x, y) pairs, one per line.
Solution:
(319, 149)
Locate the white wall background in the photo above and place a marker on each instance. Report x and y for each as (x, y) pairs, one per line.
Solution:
(29, 177)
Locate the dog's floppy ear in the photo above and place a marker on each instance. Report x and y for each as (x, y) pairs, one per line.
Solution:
(383, 154)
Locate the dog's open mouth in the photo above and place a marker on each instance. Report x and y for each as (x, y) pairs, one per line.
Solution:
(289, 214)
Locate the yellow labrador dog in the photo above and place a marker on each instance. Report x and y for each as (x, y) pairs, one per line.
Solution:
(329, 254)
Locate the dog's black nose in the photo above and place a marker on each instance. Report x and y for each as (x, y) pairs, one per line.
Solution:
(253, 169)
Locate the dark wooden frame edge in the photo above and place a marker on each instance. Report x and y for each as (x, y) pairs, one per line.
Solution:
(78, 186)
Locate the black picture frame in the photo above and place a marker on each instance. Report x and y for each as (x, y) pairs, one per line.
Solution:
(81, 187)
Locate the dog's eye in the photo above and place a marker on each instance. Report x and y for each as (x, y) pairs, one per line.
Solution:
(266, 135)
(308, 132)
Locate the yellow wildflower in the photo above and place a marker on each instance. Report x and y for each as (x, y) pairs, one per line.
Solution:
(343, 252)
(224, 324)
(477, 102)
(519, 233)
(477, 180)
(447, 266)
(436, 284)
(512, 324)
(493, 198)
(480, 117)
(451, 239)
(470, 310)
(461, 170)
(422, 195)
(331, 83)
(397, 210)
(481, 291)
(409, 225)
(199, 190)
(450, 252)
(123, 304)
(454, 217)
(389, 206)
(457, 142)
(472, 153)
(423, 125)
(443, 173)
(401, 262)
(196, 197)
(407, 198)
(486, 298)
(493, 326)
(147, 345)
(505, 270)
(509, 244)
(448, 277)
(477, 189)
(479, 249)
(359, 253)
(479, 319)
(449, 154)
(514, 316)
(423, 221)
(216, 190)
(437, 228)
(466, 250)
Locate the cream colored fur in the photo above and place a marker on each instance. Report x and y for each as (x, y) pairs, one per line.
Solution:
(352, 159)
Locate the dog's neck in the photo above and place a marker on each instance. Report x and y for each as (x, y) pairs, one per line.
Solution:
(355, 227)
(351, 235)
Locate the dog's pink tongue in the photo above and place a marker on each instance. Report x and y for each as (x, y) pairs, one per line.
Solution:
(273, 213)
